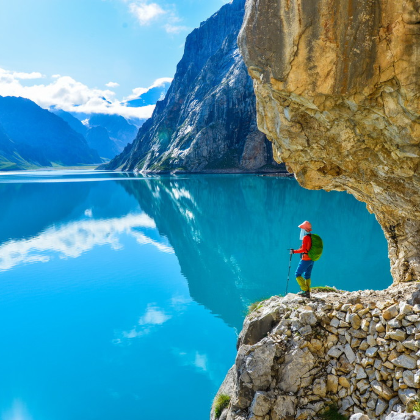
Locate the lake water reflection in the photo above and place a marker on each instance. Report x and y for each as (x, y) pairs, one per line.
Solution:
(121, 296)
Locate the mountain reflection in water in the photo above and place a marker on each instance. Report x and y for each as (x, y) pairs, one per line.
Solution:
(117, 294)
(231, 235)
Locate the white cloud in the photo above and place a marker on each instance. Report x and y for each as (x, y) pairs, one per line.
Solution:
(200, 361)
(180, 303)
(140, 91)
(174, 29)
(73, 239)
(146, 12)
(27, 76)
(154, 316)
(173, 26)
(112, 84)
(192, 358)
(145, 240)
(68, 94)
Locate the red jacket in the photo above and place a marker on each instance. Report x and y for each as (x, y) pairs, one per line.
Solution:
(304, 249)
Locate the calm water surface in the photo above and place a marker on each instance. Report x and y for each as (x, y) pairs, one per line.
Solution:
(121, 296)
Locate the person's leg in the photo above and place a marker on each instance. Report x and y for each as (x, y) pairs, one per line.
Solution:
(308, 270)
(301, 268)
(307, 275)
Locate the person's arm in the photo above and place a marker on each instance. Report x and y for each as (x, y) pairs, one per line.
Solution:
(306, 246)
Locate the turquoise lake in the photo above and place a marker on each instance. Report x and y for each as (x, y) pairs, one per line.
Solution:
(121, 297)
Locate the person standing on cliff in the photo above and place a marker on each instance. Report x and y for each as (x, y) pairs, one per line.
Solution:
(304, 269)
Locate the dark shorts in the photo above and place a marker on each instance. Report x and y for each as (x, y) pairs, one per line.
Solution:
(305, 268)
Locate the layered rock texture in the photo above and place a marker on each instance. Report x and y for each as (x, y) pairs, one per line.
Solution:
(337, 85)
(359, 351)
(207, 122)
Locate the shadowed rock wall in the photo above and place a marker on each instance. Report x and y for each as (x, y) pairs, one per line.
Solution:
(337, 85)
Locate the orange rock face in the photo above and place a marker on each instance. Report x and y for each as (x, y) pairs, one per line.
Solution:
(338, 93)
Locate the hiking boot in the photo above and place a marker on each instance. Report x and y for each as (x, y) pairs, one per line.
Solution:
(306, 294)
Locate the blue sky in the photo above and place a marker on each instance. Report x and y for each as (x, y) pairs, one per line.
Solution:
(91, 43)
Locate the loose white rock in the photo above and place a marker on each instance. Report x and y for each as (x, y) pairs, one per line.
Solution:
(336, 351)
(261, 404)
(399, 335)
(371, 352)
(405, 361)
(407, 395)
(359, 416)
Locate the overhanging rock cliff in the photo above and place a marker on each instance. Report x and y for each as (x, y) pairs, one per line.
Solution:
(207, 121)
(359, 351)
(337, 85)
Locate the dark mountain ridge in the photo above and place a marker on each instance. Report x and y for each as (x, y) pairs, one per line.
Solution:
(98, 139)
(37, 137)
(107, 134)
(119, 129)
(207, 121)
(10, 159)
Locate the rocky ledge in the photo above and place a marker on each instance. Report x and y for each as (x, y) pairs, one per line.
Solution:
(358, 351)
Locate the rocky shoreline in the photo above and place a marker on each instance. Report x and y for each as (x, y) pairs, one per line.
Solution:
(359, 351)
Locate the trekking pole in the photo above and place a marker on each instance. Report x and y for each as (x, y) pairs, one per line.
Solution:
(288, 274)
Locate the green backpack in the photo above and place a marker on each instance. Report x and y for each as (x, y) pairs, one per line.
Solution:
(317, 247)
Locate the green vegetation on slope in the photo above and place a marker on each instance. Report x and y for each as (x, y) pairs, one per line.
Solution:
(332, 413)
(325, 289)
(256, 305)
(220, 403)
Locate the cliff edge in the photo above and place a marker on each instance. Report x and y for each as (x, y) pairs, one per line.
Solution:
(338, 85)
(356, 351)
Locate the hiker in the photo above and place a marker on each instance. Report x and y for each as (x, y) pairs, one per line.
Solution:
(304, 269)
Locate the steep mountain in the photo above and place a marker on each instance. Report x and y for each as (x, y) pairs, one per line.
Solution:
(114, 132)
(98, 139)
(206, 123)
(119, 129)
(42, 138)
(10, 158)
(72, 121)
